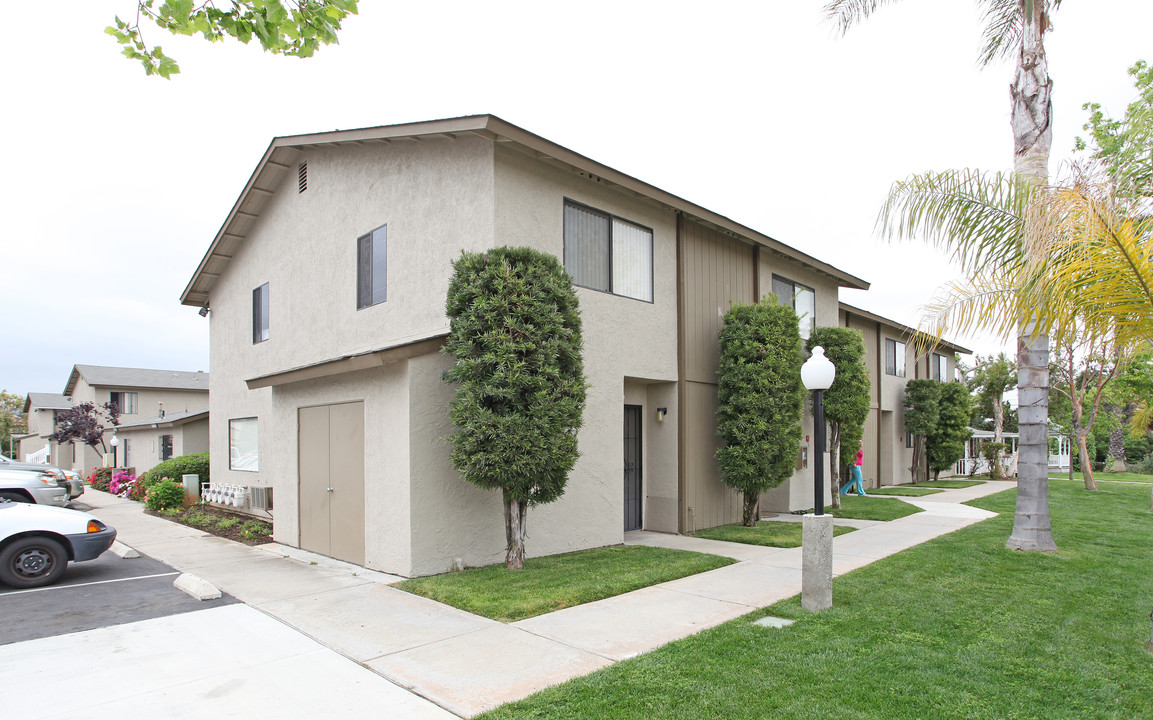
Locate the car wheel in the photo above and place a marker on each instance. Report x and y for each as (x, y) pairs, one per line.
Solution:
(14, 496)
(32, 562)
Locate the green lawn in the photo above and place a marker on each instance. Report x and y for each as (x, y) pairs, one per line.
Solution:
(773, 533)
(1107, 477)
(956, 628)
(867, 508)
(906, 490)
(559, 581)
(949, 484)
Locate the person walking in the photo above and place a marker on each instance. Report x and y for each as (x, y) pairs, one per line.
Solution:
(858, 480)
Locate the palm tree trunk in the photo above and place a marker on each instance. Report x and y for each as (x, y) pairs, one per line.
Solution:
(1032, 138)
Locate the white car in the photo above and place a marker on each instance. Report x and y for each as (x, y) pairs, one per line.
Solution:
(36, 542)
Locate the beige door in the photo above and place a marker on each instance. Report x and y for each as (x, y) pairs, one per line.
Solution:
(331, 453)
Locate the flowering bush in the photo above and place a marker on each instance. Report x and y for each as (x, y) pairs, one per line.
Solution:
(164, 495)
(122, 484)
(101, 478)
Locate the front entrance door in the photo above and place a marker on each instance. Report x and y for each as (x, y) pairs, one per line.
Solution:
(331, 452)
(633, 497)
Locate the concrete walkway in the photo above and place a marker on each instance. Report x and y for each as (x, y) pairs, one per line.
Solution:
(452, 660)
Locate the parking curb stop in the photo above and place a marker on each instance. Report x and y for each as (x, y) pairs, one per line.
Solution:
(119, 549)
(198, 588)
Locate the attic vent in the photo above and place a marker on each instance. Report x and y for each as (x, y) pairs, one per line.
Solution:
(260, 498)
(302, 177)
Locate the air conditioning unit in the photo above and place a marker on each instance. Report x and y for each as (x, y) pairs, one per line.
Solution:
(259, 498)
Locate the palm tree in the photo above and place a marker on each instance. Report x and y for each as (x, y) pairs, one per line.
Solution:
(1015, 26)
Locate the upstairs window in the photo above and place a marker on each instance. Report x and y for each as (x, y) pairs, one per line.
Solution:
(802, 299)
(894, 358)
(607, 253)
(940, 368)
(125, 402)
(371, 268)
(260, 314)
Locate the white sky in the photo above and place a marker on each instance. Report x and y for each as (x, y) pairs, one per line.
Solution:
(115, 184)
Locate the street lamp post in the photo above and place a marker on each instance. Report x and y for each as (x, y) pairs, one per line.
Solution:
(114, 442)
(817, 374)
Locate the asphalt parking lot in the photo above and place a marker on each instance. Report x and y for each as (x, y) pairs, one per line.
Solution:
(109, 590)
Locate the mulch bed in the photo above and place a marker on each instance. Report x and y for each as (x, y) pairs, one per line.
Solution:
(206, 517)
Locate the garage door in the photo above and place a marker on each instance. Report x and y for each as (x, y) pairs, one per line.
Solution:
(331, 453)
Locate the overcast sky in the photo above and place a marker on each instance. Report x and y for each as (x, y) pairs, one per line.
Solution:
(115, 183)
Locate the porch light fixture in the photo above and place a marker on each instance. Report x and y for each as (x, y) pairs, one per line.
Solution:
(661, 412)
(817, 374)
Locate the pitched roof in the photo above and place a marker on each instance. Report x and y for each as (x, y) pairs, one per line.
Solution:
(137, 377)
(47, 401)
(906, 331)
(175, 418)
(283, 154)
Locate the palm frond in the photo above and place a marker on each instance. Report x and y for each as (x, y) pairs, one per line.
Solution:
(976, 218)
(847, 13)
(1001, 37)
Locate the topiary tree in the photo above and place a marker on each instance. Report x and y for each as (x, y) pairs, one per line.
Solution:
(516, 339)
(760, 399)
(946, 441)
(921, 408)
(847, 401)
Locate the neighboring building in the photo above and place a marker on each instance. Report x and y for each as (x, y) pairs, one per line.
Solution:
(40, 410)
(139, 393)
(327, 283)
(891, 356)
(146, 443)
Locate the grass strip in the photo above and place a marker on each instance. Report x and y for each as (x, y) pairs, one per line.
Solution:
(958, 628)
(947, 484)
(556, 582)
(1107, 477)
(772, 533)
(905, 490)
(865, 508)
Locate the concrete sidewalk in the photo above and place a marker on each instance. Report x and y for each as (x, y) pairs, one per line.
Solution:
(467, 664)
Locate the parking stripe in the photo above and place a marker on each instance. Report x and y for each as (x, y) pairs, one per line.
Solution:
(98, 582)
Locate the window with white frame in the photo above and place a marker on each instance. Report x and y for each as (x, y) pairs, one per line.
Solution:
(125, 402)
(371, 268)
(260, 314)
(801, 298)
(243, 439)
(607, 253)
(894, 358)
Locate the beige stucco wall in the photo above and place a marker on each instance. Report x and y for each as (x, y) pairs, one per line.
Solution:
(385, 393)
(624, 338)
(435, 197)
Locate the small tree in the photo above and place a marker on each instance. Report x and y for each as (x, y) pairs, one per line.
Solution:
(82, 422)
(946, 441)
(847, 401)
(516, 337)
(760, 399)
(921, 408)
(12, 420)
(991, 378)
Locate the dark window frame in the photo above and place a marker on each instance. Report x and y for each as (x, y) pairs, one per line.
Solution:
(939, 367)
(610, 217)
(366, 250)
(165, 444)
(793, 301)
(260, 313)
(119, 397)
(892, 368)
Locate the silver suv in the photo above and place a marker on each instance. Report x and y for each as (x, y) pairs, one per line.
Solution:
(32, 486)
(75, 485)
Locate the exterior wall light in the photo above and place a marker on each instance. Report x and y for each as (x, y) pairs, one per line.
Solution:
(661, 412)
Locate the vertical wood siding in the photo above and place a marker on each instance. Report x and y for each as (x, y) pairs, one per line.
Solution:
(715, 271)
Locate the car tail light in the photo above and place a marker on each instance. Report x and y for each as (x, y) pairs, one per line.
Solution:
(96, 526)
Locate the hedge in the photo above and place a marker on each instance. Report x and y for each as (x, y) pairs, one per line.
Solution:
(174, 468)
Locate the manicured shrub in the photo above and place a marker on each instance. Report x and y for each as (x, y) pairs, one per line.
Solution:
(177, 467)
(165, 495)
(101, 478)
